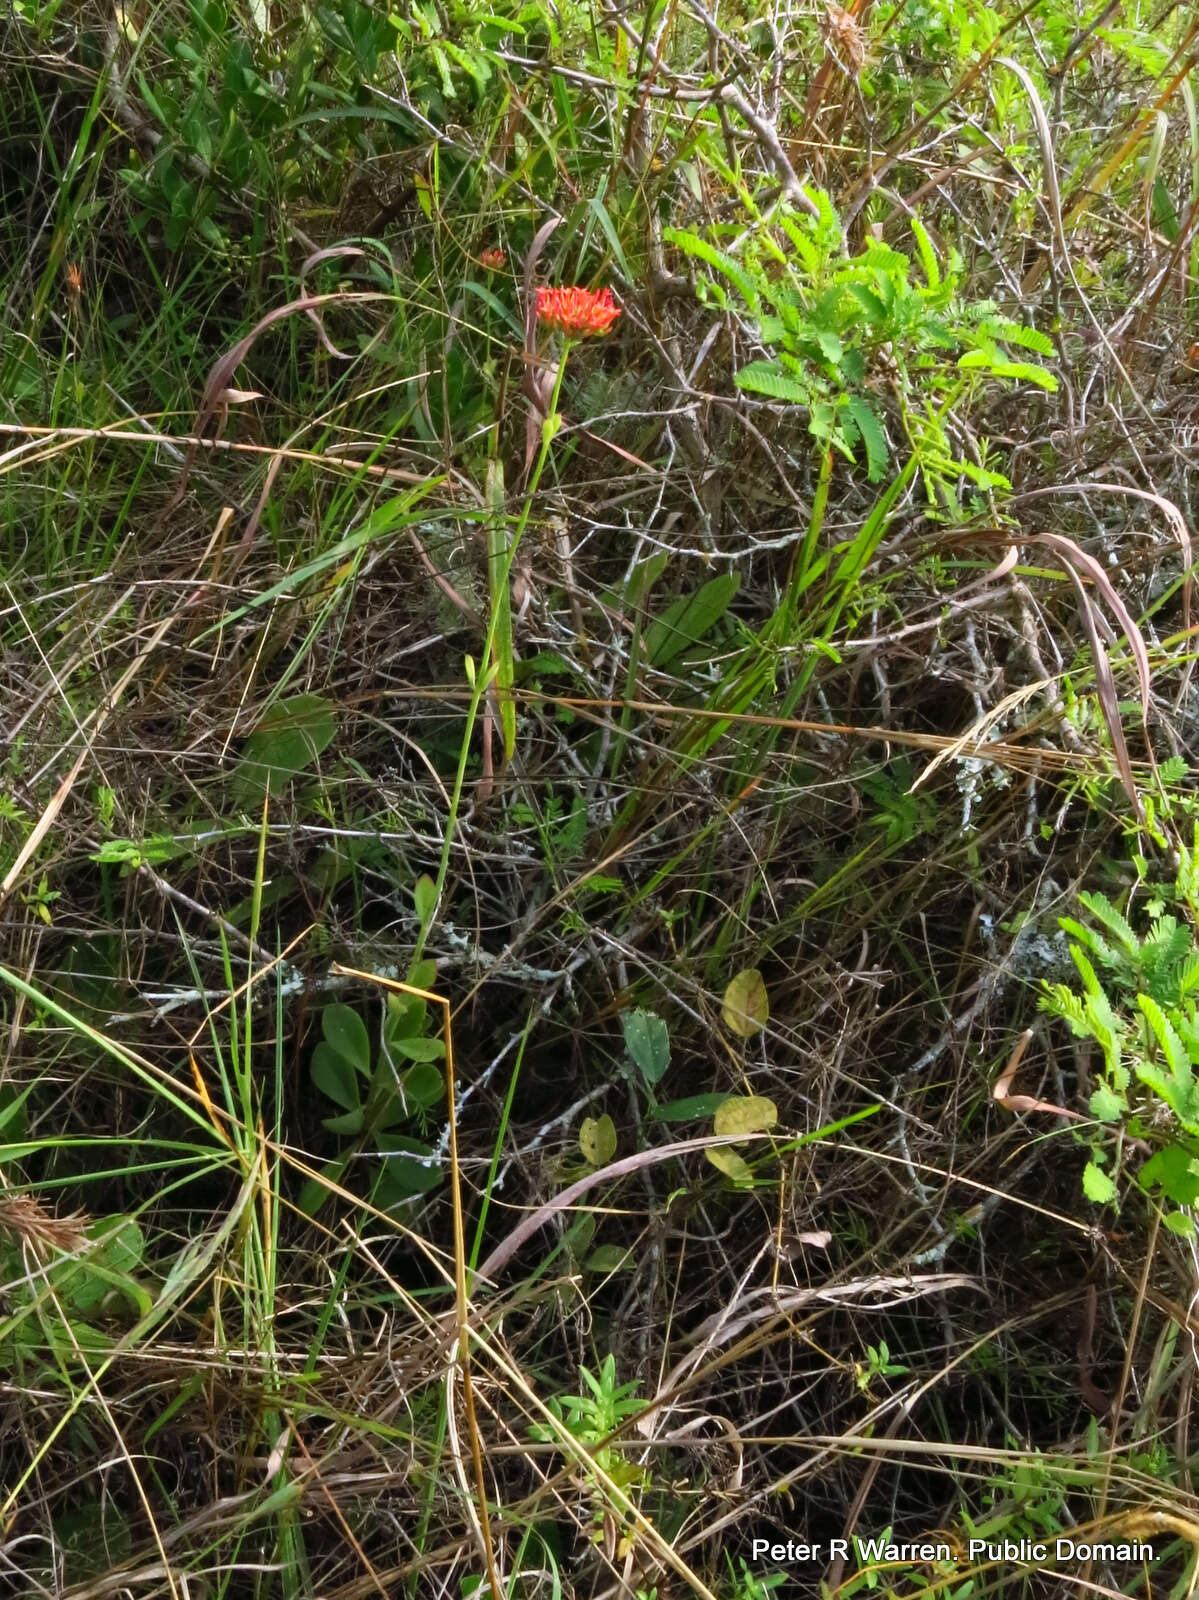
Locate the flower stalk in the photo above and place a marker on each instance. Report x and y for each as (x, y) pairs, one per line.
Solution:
(576, 313)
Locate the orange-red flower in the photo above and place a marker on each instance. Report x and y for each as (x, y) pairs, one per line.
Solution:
(493, 260)
(577, 311)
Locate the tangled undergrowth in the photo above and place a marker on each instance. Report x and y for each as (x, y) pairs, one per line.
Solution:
(598, 910)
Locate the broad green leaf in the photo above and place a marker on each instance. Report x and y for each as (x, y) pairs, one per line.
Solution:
(291, 736)
(121, 1246)
(92, 1341)
(392, 1113)
(743, 1114)
(545, 664)
(1096, 1184)
(424, 1087)
(1107, 1105)
(642, 579)
(689, 619)
(345, 1032)
(85, 1283)
(1173, 1169)
(334, 1076)
(18, 1150)
(1181, 1223)
(732, 1165)
(409, 1166)
(609, 1258)
(597, 1140)
(647, 1040)
(746, 1008)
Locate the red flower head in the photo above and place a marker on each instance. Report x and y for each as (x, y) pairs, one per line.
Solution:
(493, 260)
(577, 311)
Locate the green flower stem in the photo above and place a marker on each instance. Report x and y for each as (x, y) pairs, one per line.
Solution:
(484, 674)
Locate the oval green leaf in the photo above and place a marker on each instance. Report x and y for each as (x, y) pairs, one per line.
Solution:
(409, 1167)
(424, 898)
(423, 974)
(609, 1258)
(334, 1076)
(424, 1087)
(418, 1049)
(648, 1042)
(290, 737)
(349, 1123)
(345, 1032)
(118, 1252)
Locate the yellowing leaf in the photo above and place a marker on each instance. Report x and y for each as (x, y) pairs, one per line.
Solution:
(746, 1009)
(731, 1164)
(748, 1113)
(597, 1140)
